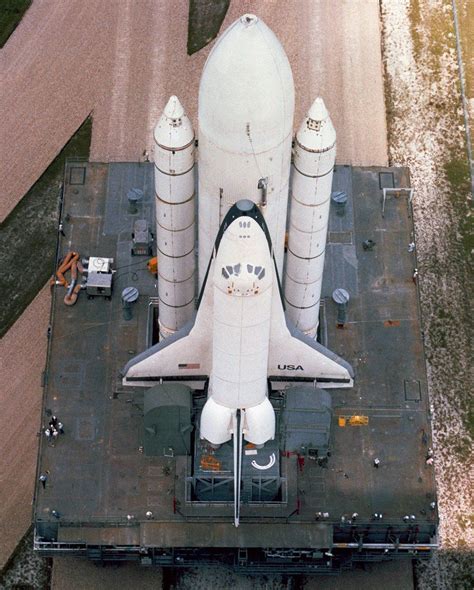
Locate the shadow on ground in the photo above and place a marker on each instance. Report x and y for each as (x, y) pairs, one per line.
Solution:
(28, 235)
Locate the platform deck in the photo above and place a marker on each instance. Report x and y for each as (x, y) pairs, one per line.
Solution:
(97, 471)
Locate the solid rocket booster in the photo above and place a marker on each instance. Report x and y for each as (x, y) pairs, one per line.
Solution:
(246, 105)
(314, 156)
(175, 217)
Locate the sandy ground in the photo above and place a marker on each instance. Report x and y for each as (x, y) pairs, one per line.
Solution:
(122, 59)
(22, 360)
(80, 574)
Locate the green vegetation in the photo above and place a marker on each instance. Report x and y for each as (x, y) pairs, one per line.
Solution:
(433, 38)
(447, 568)
(415, 24)
(440, 31)
(11, 13)
(466, 28)
(204, 22)
(457, 171)
(28, 235)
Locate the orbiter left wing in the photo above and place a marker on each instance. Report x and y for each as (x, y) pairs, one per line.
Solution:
(294, 357)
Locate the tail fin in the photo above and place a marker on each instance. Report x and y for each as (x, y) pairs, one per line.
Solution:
(238, 435)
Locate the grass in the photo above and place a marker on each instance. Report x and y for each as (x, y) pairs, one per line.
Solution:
(458, 175)
(205, 20)
(448, 569)
(466, 29)
(11, 13)
(28, 235)
(432, 33)
(415, 24)
(457, 172)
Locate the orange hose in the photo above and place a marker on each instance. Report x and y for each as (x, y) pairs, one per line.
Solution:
(65, 266)
(72, 298)
(70, 262)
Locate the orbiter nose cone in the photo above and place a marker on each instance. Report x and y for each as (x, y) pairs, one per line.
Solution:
(174, 129)
(246, 95)
(317, 131)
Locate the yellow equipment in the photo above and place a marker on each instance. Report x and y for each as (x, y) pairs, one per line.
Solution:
(352, 420)
(210, 463)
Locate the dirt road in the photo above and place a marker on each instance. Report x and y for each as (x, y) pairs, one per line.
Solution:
(122, 59)
(23, 355)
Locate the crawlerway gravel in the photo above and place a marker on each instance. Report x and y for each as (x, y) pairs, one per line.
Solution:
(425, 130)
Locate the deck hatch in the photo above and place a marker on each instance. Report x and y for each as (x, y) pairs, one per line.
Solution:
(412, 390)
(386, 180)
(77, 175)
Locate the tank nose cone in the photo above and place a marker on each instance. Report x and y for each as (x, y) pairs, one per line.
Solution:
(246, 94)
(248, 20)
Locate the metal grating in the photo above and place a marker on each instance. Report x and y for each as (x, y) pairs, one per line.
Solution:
(340, 237)
(77, 175)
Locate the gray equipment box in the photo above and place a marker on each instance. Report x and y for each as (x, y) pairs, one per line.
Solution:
(141, 238)
(306, 422)
(167, 420)
(99, 284)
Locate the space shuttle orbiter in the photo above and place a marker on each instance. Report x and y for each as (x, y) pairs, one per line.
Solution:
(239, 338)
(240, 342)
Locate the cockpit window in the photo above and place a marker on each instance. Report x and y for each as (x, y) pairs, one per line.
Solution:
(229, 270)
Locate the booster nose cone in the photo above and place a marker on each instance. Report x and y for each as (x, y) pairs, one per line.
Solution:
(318, 111)
(317, 132)
(173, 109)
(174, 129)
(247, 89)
